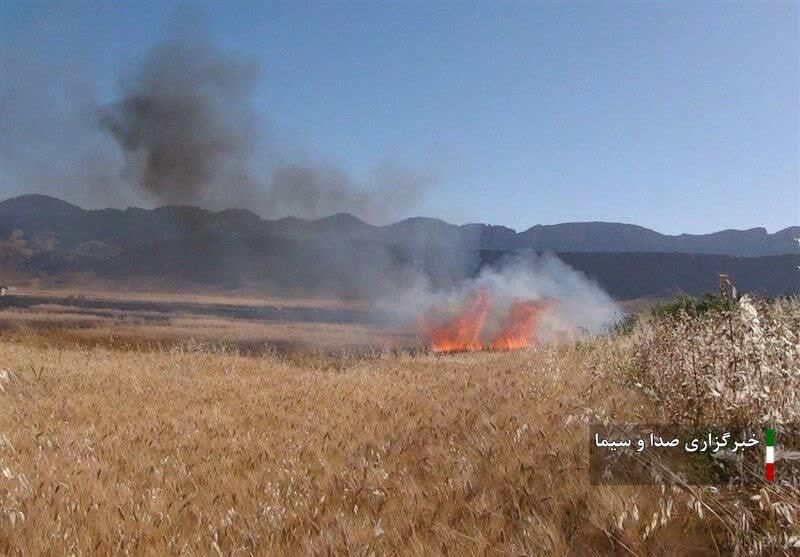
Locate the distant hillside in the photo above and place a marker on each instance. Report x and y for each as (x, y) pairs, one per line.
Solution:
(44, 219)
(44, 236)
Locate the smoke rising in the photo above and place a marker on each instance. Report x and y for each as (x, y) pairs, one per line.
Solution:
(191, 134)
(314, 190)
(185, 122)
(185, 128)
(580, 305)
(576, 305)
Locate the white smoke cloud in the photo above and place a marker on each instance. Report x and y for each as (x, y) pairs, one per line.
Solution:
(578, 305)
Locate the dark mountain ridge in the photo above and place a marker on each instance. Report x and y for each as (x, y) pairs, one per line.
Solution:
(39, 214)
(341, 255)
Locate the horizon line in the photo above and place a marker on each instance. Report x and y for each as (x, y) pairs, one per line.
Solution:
(361, 220)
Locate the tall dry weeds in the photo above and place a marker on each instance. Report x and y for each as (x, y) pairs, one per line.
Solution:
(736, 366)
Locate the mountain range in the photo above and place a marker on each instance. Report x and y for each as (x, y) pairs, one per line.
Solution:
(182, 245)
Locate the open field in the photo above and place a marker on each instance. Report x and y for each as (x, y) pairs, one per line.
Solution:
(244, 298)
(196, 447)
(190, 450)
(253, 325)
(142, 330)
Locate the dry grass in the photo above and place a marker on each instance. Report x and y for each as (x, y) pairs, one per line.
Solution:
(191, 449)
(69, 326)
(740, 365)
(737, 366)
(196, 448)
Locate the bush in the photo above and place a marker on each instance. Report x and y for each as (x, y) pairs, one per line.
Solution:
(707, 303)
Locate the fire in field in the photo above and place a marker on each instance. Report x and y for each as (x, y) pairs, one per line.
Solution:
(364, 280)
(465, 330)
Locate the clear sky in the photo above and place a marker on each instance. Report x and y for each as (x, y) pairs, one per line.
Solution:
(682, 117)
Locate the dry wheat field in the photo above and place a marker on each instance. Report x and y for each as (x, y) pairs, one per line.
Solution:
(195, 447)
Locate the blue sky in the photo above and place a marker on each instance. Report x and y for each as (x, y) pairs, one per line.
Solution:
(682, 117)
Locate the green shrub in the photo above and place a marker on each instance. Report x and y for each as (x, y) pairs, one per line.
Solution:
(694, 306)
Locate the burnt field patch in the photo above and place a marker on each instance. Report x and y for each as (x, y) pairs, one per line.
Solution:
(230, 311)
(144, 325)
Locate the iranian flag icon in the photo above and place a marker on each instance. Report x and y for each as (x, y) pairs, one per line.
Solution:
(770, 457)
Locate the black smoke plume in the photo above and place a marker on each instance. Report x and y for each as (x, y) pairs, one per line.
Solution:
(185, 122)
(191, 134)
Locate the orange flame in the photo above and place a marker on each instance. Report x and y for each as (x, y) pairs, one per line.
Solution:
(463, 332)
(518, 328)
